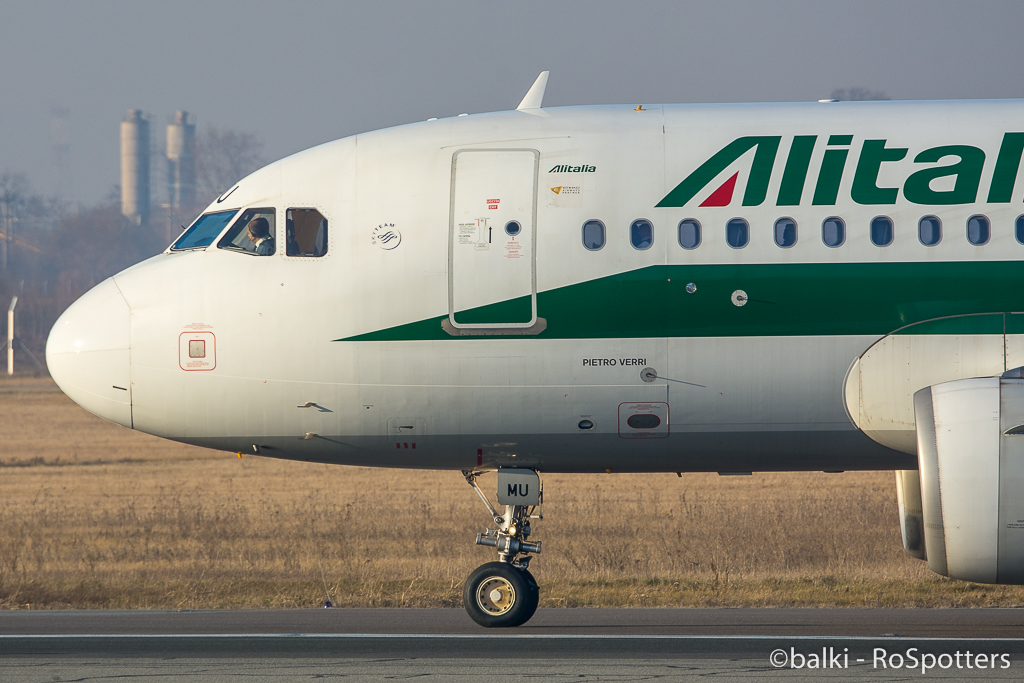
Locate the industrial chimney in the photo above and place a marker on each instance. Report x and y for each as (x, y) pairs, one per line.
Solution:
(181, 163)
(135, 167)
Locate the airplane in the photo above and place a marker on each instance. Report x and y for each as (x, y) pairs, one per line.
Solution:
(732, 288)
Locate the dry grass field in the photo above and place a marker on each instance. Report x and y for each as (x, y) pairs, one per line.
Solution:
(93, 515)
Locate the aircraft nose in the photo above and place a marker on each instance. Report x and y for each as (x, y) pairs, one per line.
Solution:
(87, 353)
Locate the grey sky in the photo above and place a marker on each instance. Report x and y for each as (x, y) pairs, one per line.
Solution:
(302, 73)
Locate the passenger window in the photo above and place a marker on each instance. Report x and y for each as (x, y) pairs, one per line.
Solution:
(881, 231)
(513, 228)
(593, 235)
(929, 231)
(202, 233)
(978, 230)
(305, 233)
(785, 232)
(833, 232)
(737, 233)
(641, 234)
(689, 234)
(253, 233)
(1019, 231)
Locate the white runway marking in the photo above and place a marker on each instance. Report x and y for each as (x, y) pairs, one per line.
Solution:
(515, 636)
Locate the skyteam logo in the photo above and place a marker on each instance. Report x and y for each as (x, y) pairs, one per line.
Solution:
(958, 168)
(386, 236)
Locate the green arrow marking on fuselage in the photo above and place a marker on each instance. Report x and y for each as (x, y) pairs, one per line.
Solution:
(805, 299)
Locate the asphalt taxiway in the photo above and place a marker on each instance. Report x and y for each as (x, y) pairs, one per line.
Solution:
(626, 644)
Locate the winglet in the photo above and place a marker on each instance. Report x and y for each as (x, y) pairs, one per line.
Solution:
(535, 97)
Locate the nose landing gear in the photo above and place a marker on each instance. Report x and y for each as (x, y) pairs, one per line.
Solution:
(504, 593)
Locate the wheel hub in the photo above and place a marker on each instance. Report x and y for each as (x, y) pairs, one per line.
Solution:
(495, 595)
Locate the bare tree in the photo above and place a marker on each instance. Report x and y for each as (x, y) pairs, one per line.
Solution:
(24, 216)
(857, 95)
(223, 157)
(27, 221)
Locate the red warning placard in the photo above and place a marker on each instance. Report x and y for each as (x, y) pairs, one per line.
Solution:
(197, 351)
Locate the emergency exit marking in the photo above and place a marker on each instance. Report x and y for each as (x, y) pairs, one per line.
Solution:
(197, 351)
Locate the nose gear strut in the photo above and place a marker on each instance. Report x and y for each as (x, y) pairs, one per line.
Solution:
(503, 593)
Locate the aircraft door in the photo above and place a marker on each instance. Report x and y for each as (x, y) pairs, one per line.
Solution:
(492, 240)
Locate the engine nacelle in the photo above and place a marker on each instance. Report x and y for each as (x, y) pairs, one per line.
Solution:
(908, 498)
(880, 385)
(970, 445)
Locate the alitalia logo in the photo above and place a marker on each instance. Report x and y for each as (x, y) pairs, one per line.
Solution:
(562, 168)
(959, 166)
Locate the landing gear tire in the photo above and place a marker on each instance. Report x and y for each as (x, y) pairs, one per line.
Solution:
(534, 591)
(498, 595)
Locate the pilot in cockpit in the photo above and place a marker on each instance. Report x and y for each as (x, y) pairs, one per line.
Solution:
(259, 233)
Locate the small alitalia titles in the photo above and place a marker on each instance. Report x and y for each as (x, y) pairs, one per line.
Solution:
(565, 168)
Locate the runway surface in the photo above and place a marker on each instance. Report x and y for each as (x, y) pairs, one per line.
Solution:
(576, 644)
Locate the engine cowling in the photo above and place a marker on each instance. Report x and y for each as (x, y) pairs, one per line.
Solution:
(881, 383)
(967, 502)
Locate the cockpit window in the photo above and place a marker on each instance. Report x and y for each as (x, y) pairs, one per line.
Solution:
(253, 233)
(306, 233)
(202, 233)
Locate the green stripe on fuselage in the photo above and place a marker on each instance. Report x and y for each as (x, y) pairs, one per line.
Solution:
(783, 300)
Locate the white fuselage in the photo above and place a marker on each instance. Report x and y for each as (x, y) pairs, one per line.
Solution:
(460, 342)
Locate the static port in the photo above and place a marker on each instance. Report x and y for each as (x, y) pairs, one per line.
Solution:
(585, 424)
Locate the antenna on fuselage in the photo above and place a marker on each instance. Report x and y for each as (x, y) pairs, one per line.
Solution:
(535, 97)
